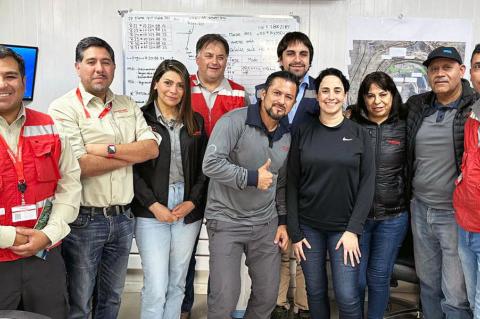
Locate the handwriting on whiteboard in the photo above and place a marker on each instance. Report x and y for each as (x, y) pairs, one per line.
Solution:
(149, 38)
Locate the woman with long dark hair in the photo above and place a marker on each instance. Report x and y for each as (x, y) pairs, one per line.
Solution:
(170, 192)
(329, 194)
(379, 110)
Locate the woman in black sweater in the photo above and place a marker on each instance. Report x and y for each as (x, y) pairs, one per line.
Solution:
(330, 190)
(170, 192)
(379, 109)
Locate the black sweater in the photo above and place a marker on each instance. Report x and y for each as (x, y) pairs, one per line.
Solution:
(330, 178)
(151, 177)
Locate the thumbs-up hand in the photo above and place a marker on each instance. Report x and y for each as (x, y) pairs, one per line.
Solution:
(265, 178)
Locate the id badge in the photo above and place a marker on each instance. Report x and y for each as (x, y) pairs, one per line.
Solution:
(23, 213)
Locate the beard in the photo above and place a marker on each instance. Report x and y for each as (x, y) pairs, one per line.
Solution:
(274, 116)
(298, 73)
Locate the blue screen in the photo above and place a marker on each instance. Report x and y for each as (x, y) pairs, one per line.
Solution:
(29, 55)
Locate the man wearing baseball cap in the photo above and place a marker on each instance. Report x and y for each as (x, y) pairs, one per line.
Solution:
(434, 154)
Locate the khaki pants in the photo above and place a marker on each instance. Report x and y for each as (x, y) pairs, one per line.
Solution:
(300, 295)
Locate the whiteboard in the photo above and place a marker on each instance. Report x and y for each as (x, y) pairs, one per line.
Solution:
(151, 37)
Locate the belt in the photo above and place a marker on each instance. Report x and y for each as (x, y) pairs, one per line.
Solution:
(114, 210)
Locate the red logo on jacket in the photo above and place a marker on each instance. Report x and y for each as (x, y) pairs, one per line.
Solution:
(393, 142)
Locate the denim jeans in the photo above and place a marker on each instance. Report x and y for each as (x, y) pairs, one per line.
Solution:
(165, 250)
(345, 277)
(379, 245)
(96, 256)
(469, 251)
(435, 242)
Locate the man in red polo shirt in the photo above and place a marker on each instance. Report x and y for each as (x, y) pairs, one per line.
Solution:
(212, 96)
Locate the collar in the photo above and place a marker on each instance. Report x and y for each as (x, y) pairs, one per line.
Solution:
(162, 119)
(254, 119)
(22, 114)
(223, 85)
(450, 106)
(21, 117)
(305, 80)
(87, 97)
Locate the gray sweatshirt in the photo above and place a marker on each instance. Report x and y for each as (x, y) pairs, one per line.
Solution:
(238, 146)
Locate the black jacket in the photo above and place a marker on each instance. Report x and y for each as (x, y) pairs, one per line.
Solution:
(388, 144)
(151, 177)
(420, 106)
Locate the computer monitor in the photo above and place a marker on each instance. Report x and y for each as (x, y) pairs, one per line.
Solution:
(30, 56)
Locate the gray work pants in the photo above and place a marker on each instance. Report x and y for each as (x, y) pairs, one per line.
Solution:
(227, 242)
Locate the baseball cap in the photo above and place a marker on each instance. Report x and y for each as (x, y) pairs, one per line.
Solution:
(443, 52)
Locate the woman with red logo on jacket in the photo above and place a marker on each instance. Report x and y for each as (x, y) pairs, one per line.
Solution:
(379, 110)
(170, 192)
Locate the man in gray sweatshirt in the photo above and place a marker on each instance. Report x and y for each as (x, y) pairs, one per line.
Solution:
(246, 212)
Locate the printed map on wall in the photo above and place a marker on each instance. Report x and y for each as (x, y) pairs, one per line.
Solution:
(402, 60)
(398, 47)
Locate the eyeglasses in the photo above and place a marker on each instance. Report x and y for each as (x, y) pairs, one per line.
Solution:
(476, 67)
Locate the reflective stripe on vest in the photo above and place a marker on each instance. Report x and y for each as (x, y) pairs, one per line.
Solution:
(38, 130)
(197, 90)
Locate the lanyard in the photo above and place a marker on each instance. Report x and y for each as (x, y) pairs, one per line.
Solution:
(17, 161)
(87, 114)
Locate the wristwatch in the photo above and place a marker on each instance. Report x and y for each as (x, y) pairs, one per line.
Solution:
(111, 150)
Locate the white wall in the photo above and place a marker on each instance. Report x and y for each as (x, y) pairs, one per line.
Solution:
(55, 26)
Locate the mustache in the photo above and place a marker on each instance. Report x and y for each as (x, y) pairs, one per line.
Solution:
(280, 106)
(297, 64)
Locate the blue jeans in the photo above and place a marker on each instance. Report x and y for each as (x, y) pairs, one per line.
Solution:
(96, 256)
(345, 277)
(435, 242)
(469, 251)
(379, 245)
(165, 250)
